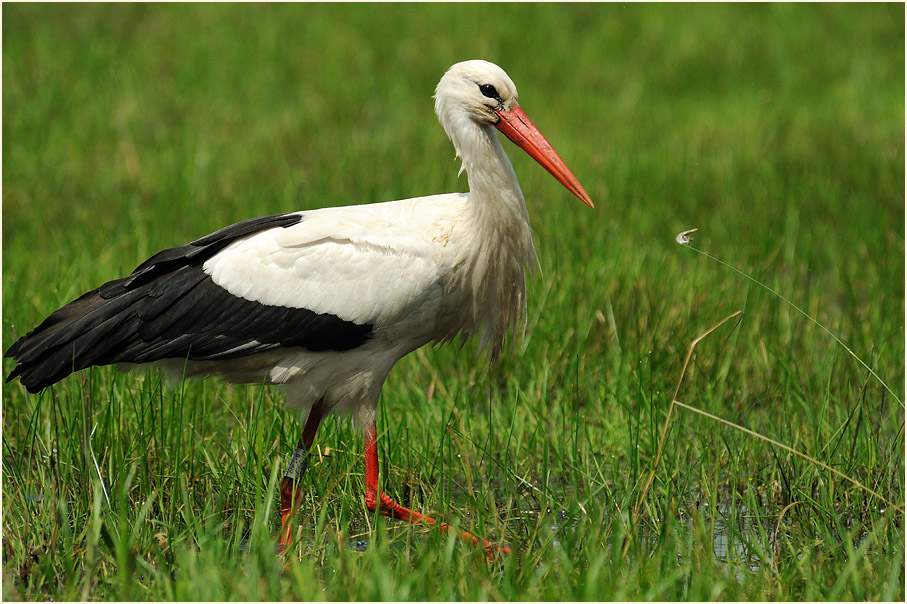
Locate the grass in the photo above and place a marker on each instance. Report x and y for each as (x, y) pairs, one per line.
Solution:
(778, 131)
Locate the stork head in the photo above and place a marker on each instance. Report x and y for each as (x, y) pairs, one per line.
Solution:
(477, 89)
(481, 92)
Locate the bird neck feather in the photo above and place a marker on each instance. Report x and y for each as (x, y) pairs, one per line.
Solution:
(502, 247)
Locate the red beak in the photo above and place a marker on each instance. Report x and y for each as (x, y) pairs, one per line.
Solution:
(517, 126)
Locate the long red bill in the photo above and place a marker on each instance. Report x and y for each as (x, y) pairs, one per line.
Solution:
(517, 126)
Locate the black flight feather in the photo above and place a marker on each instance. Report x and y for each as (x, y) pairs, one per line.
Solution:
(169, 308)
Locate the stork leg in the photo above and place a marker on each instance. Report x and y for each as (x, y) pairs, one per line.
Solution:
(375, 499)
(290, 491)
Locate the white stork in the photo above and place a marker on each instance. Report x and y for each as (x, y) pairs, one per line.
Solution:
(325, 302)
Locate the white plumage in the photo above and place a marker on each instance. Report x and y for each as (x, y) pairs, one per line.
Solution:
(418, 270)
(325, 302)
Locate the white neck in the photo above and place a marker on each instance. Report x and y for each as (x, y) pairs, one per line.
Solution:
(501, 245)
(495, 193)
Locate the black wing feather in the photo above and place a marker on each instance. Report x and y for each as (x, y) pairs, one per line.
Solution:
(169, 308)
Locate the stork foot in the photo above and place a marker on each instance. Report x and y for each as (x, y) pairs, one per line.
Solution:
(378, 501)
(386, 506)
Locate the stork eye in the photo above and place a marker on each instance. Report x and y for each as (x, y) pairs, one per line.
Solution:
(490, 91)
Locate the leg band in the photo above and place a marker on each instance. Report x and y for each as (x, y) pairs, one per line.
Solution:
(299, 462)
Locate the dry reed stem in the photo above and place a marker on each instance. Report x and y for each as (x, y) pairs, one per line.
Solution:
(771, 441)
(674, 402)
(664, 429)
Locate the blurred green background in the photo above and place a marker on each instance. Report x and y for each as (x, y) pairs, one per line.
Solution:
(777, 130)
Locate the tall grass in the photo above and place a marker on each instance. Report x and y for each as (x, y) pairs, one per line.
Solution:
(777, 130)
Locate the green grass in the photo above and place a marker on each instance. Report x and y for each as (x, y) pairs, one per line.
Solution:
(778, 131)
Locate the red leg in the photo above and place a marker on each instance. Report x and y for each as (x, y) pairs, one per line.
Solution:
(377, 500)
(290, 493)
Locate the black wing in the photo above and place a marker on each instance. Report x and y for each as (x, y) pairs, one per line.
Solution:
(169, 308)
